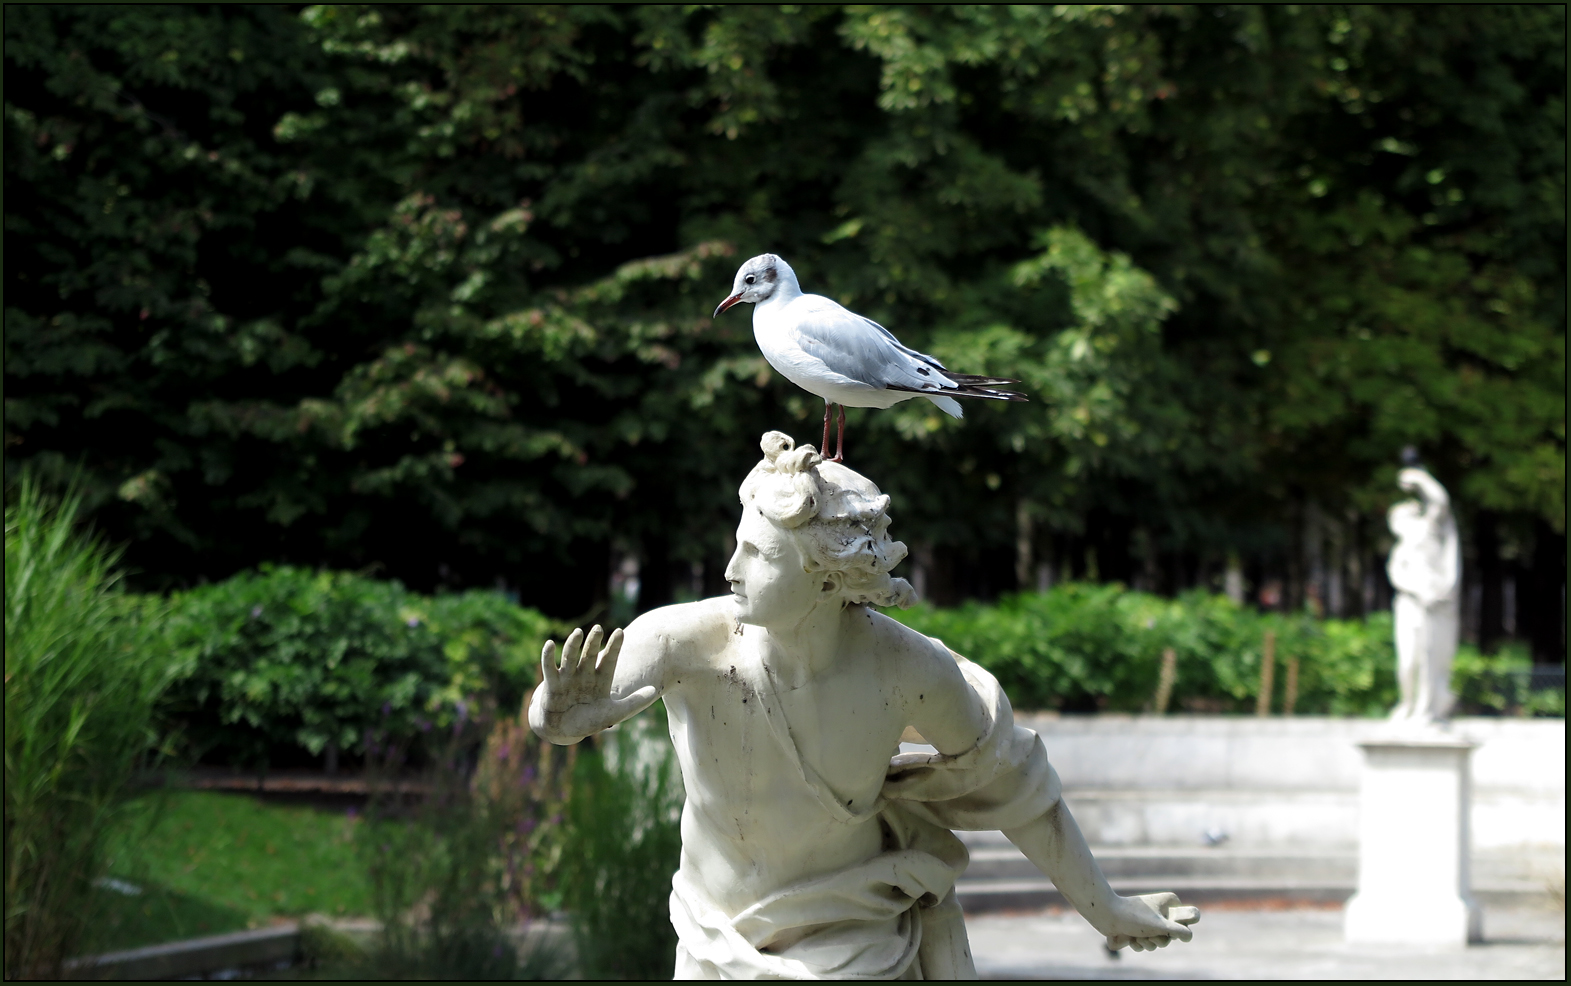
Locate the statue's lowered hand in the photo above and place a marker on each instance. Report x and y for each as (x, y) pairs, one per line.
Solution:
(1150, 921)
(575, 696)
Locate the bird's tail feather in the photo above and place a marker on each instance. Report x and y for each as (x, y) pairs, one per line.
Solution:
(977, 385)
(948, 405)
(944, 400)
(978, 380)
(989, 393)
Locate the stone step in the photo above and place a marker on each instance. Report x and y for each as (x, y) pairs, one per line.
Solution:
(1136, 862)
(1153, 816)
(994, 856)
(999, 876)
(991, 895)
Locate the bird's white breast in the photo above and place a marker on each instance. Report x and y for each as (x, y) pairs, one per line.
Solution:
(775, 329)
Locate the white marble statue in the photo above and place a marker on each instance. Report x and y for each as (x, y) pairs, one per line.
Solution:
(812, 849)
(1426, 572)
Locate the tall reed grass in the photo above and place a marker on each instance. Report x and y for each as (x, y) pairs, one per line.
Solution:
(461, 853)
(624, 842)
(82, 676)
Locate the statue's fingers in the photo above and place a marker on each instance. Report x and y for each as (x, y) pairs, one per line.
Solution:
(586, 657)
(548, 673)
(1185, 916)
(1116, 942)
(608, 657)
(570, 650)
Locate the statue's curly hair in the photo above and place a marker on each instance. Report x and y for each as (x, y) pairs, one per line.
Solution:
(839, 518)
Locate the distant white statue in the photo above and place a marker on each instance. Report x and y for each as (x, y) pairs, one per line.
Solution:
(1426, 572)
(812, 848)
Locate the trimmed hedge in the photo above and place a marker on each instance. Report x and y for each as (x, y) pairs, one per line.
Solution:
(289, 664)
(1087, 647)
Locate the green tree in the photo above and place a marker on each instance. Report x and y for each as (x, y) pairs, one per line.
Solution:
(429, 287)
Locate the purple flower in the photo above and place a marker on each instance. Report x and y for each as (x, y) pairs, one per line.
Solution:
(412, 622)
(255, 612)
(387, 708)
(352, 811)
(425, 726)
(463, 710)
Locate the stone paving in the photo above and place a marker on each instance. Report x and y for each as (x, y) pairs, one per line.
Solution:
(1520, 943)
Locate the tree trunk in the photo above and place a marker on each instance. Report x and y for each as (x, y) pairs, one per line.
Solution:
(1024, 536)
(1491, 602)
(1541, 596)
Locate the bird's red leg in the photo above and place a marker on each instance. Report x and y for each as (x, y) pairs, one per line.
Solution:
(840, 442)
(824, 448)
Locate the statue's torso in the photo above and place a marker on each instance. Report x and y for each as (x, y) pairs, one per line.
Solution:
(753, 824)
(1425, 562)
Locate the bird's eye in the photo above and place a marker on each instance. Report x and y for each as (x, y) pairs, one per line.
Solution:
(749, 279)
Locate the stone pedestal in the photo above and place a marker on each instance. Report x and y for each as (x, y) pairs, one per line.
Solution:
(1413, 846)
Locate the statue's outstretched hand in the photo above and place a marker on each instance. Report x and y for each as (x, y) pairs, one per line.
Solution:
(574, 698)
(1150, 921)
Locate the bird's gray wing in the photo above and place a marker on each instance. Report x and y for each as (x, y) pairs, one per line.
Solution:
(859, 348)
(898, 344)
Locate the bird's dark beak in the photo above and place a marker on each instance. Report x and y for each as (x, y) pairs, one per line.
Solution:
(726, 304)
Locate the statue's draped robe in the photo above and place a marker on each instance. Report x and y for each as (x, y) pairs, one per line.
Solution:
(893, 916)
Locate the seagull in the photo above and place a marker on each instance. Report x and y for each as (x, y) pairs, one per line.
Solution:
(843, 357)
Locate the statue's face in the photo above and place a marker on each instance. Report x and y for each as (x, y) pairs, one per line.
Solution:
(768, 579)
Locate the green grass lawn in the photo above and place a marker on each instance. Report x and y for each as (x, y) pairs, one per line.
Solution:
(207, 863)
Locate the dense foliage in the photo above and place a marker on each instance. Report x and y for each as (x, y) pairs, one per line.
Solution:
(287, 667)
(289, 664)
(429, 287)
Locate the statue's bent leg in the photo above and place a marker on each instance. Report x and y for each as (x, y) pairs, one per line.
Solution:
(1441, 653)
(1423, 678)
(946, 950)
(1408, 631)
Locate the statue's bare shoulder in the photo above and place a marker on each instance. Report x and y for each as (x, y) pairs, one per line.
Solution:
(939, 701)
(682, 635)
(913, 651)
